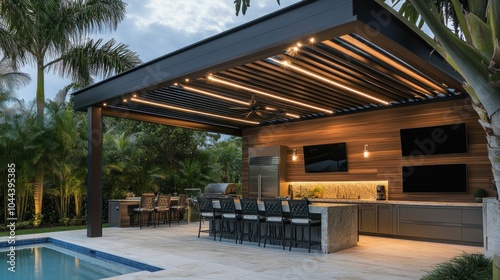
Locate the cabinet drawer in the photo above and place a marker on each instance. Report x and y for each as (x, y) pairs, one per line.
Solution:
(430, 214)
(472, 216)
(430, 231)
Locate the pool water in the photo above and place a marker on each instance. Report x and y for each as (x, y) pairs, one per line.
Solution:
(48, 258)
(46, 261)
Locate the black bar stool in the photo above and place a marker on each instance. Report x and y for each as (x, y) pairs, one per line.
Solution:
(276, 221)
(207, 213)
(301, 218)
(250, 217)
(229, 216)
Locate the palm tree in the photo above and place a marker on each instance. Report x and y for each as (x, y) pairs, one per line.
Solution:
(52, 35)
(475, 53)
(10, 80)
(66, 131)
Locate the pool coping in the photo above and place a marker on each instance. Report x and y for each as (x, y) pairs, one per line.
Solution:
(83, 250)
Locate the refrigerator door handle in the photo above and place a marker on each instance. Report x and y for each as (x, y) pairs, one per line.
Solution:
(259, 187)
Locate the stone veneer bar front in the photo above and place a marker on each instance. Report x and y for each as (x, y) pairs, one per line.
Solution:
(339, 224)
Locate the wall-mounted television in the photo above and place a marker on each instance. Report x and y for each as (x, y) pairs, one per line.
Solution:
(435, 178)
(434, 140)
(325, 158)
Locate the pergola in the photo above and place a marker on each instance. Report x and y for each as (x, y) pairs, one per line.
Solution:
(314, 59)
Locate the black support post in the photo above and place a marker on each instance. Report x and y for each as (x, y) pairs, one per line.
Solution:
(94, 179)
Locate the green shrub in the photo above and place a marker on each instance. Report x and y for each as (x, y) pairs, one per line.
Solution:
(464, 267)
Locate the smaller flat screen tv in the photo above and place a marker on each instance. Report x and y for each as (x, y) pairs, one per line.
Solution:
(434, 140)
(325, 158)
(435, 178)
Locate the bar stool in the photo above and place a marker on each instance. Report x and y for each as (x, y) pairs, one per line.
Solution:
(146, 206)
(301, 218)
(250, 217)
(180, 207)
(162, 208)
(229, 216)
(207, 212)
(275, 220)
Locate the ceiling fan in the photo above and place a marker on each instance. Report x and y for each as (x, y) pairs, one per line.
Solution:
(260, 110)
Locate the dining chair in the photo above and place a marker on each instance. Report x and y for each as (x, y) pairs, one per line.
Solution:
(208, 213)
(276, 222)
(230, 221)
(180, 208)
(162, 209)
(146, 206)
(251, 218)
(301, 218)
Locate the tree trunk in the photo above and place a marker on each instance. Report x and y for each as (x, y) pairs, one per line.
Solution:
(492, 129)
(39, 177)
(38, 196)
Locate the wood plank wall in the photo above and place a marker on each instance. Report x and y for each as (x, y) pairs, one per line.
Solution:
(380, 130)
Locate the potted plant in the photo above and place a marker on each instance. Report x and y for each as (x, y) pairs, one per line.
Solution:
(479, 194)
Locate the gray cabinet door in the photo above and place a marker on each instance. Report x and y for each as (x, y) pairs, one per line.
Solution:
(367, 218)
(384, 219)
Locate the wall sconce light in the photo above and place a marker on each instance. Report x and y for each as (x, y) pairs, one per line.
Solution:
(365, 153)
(294, 154)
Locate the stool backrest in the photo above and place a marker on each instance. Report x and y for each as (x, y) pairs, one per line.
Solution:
(273, 208)
(299, 208)
(147, 201)
(227, 205)
(163, 202)
(249, 206)
(205, 204)
(183, 200)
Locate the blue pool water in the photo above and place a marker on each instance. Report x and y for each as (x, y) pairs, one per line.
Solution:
(54, 259)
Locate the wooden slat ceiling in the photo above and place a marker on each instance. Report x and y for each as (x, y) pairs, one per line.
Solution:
(345, 74)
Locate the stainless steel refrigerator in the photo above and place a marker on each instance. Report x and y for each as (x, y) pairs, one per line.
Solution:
(267, 173)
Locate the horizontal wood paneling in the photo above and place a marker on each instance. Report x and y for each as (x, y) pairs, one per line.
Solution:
(380, 130)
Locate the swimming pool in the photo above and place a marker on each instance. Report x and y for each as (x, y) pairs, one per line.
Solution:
(48, 258)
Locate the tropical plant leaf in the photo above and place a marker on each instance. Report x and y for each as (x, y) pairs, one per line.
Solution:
(468, 61)
(480, 35)
(462, 21)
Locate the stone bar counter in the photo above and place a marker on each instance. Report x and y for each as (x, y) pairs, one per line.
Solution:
(339, 224)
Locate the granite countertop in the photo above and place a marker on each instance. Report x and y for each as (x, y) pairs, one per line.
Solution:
(401, 202)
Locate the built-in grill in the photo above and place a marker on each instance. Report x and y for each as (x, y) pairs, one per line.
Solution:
(220, 190)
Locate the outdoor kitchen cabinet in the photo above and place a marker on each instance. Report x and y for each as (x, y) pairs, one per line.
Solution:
(375, 218)
(368, 218)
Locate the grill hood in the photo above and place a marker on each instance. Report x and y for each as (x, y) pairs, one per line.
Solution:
(220, 189)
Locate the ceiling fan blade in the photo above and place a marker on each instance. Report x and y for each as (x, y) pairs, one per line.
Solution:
(248, 114)
(239, 108)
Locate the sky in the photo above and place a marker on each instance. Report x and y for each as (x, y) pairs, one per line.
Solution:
(153, 28)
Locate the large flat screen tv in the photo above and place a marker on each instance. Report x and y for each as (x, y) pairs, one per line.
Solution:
(435, 178)
(434, 140)
(325, 158)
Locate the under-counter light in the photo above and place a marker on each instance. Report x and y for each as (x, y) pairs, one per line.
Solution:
(365, 152)
(263, 93)
(287, 64)
(165, 106)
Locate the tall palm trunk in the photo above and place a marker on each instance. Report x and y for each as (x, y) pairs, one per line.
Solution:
(39, 177)
(38, 196)
(492, 128)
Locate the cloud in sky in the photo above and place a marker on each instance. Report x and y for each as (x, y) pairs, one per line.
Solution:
(153, 28)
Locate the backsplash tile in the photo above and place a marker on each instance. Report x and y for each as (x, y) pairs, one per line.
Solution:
(347, 190)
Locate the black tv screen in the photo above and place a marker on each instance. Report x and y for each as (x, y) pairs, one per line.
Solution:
(325, 158)
(434, 140)
(435, 178)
